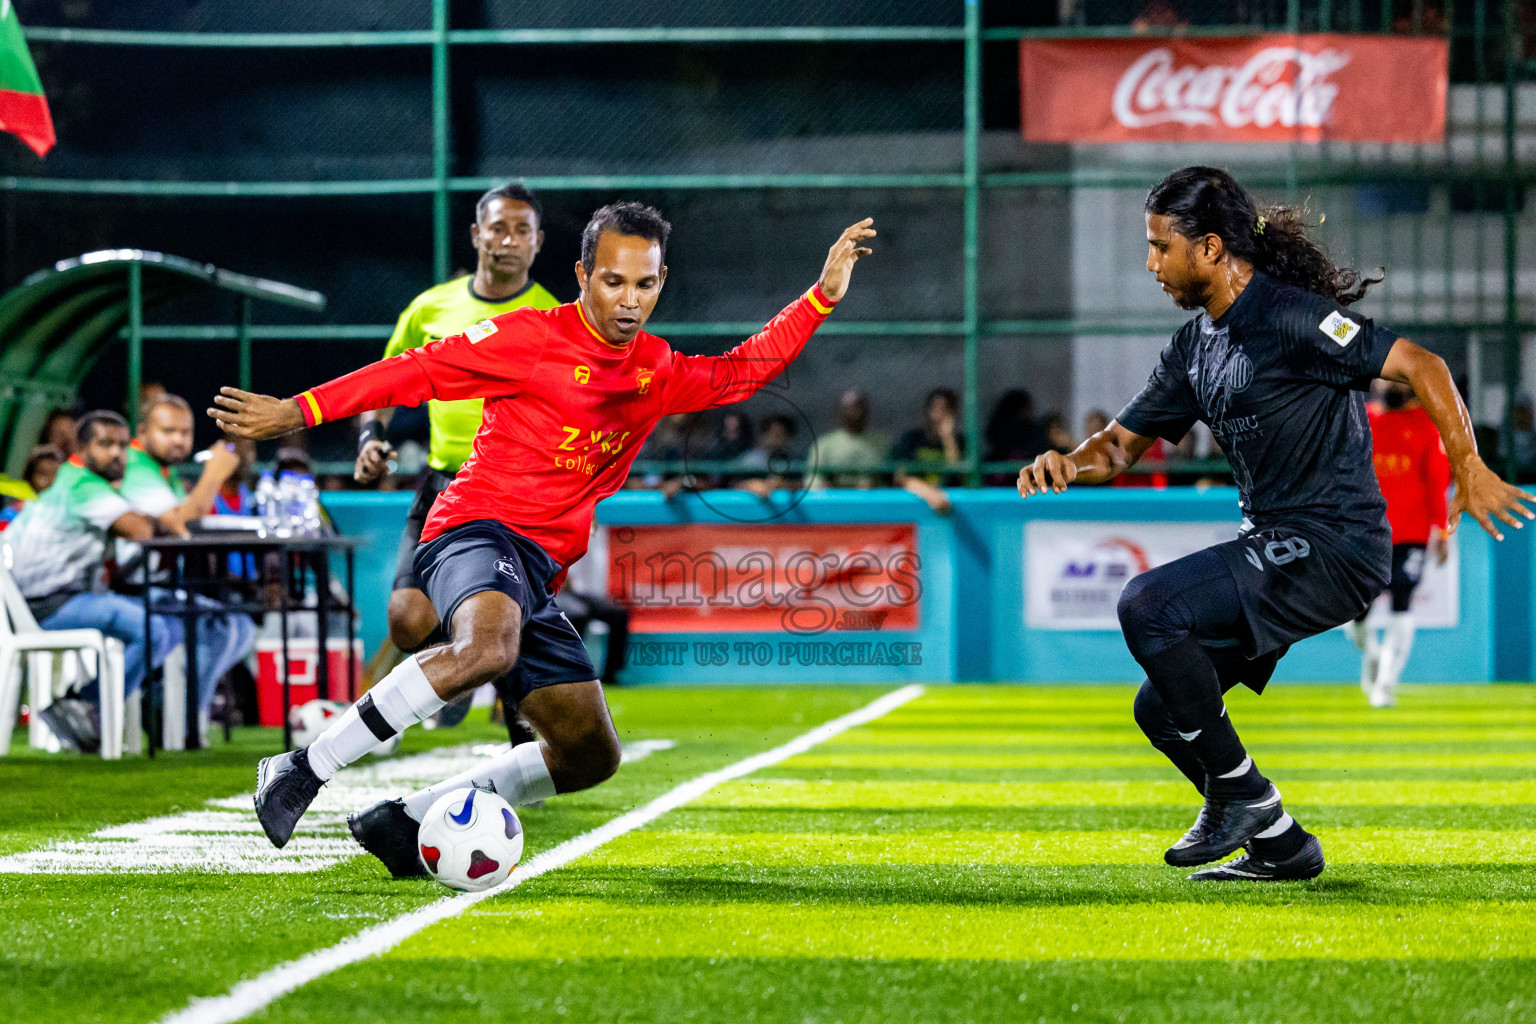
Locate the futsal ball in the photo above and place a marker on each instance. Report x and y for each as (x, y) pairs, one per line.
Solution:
(308, 720)
(470, 840)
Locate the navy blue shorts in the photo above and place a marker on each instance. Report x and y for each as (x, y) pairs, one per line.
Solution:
(432, 483)
(485, 555)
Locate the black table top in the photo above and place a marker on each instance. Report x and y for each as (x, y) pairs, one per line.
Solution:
(240, 540)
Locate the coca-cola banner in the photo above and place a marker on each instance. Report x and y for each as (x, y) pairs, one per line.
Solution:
(1274, 88)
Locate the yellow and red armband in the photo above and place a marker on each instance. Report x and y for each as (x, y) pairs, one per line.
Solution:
(310, 407)
(819, 301)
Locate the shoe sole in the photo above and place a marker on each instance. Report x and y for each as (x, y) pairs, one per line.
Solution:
(1220, 874)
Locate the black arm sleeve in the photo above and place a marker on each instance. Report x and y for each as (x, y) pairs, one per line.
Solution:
(1330, 344)
(1166, 405)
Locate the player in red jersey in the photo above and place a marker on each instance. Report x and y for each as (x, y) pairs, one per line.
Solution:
(1414, 474)
(570, 396)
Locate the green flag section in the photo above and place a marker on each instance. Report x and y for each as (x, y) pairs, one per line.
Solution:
(23, 108)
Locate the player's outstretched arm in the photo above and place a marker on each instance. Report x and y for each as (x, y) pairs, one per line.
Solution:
(1100, 458)
(1479, 490)
(845, 252)
(695, 383)
(258, 417)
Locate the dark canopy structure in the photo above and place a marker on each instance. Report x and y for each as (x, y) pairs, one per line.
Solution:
(59, 321)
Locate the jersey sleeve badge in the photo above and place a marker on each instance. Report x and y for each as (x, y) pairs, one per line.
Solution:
(1339, 328)
(480, 331)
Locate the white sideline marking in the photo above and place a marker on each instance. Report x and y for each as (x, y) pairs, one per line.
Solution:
(225, 838)
(639, 750)
(256, 993)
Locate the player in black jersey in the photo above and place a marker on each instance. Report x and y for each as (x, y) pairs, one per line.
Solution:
(1276, 365)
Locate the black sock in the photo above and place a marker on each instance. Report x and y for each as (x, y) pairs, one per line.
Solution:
(1152, 715)
(1185, 678)
(1245, 785)
(1286, 844)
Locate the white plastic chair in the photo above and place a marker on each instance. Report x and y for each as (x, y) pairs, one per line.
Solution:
(21, 635)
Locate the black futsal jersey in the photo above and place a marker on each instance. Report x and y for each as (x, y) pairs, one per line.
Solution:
(1279, 379)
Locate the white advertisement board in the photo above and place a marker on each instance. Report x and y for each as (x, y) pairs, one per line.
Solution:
(1074, 571)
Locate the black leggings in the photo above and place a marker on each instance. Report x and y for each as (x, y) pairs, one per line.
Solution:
(1194, 596)
(1232, 669)
(1170, 615)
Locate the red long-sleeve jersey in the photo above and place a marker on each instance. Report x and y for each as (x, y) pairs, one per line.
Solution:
(566, 410)
(1413, 472)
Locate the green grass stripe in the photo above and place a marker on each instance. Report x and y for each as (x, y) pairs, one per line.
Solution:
(1257, 716)
(513, 929)
(1321, 760)
(1128, 735)
(771, 990)
(991, 695)
(796, 793)
(778, 849)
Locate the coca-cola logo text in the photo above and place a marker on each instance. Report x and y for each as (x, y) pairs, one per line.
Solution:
(1279, 85)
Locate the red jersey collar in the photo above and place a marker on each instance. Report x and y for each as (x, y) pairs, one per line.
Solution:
(582, 313)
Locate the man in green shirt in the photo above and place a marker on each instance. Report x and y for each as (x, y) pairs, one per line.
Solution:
(506, 236)
(59, 545)
(152, 486)
(851, 455)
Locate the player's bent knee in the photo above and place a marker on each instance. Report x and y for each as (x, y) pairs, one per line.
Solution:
(588, 759)
(487, 630)
(1152, 714)
(412, 619)
(1140, 605)
(489, 658)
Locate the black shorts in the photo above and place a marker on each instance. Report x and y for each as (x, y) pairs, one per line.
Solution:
(485, 555)
(432, 483)
(1299, 580)
(1407, 571)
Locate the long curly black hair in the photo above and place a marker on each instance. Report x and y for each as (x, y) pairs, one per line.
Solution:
(1209, 201)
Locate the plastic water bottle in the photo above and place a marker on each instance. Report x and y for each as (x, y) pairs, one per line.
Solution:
(289, 517)
(309, 505)
(266, 504)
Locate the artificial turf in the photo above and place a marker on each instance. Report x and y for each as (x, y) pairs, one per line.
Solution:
(983, 853)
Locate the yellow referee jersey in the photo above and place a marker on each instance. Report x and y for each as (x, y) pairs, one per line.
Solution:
(436, 313)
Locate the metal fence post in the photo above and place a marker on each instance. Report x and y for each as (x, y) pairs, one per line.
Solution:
(973, 452)
(135, 340)
(1511, 239)
(243, 334)
(440, 137)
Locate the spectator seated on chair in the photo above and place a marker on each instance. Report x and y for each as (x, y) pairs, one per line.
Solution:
(59, 547)
(851, 455)
(928, 456)
(151, 486)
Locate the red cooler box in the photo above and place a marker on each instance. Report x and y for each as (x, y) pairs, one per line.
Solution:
(304, 673)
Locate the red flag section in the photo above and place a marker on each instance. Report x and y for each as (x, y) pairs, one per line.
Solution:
(25, 115)
(1272, 88)
(23, 108)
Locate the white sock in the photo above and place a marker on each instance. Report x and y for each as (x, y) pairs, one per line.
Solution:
(1358, 632)
(1396, 644)
(402, 698)
(520, 777)
(1240, 770)
(1285, 822)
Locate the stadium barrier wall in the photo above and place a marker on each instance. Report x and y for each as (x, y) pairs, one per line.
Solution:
(971, 622)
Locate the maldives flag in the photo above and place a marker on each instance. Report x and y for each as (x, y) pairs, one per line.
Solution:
(23, 109)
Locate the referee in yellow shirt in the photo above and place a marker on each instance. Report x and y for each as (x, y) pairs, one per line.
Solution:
(507, 236)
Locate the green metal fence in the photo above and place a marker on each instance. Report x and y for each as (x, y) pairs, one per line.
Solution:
(1454, 203)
